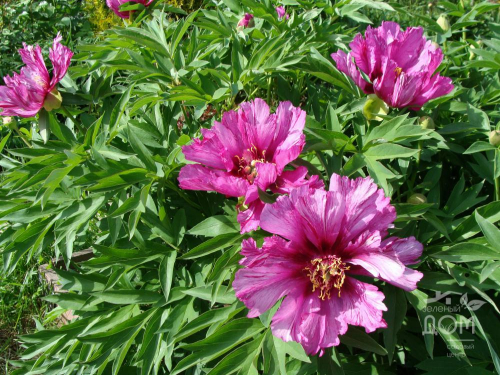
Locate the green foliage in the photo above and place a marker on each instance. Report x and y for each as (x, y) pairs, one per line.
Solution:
(37, 22)
(157, 296)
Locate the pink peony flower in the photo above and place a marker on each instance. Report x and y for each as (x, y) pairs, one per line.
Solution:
(326, 238)
(282, 12)
(26, 93)
(246, 152)
(399, 64)
(247, 21)
(115, 6)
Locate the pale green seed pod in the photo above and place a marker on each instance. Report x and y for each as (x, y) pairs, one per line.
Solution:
(417, 199)
(426, 122)
(374, 107)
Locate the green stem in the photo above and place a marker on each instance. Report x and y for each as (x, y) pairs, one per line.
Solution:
(269, 83)
(497, 180)
(22, 137)
(77, 123)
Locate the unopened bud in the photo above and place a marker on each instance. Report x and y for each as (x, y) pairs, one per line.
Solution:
(10, 122)
(53, 100)
(374, 107)
(426, 122)
(443, 22)
(417, 199)
(247, 21)
(495, 138)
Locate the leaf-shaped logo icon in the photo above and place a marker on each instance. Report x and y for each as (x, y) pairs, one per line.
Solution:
(475, 304)
(464, 299)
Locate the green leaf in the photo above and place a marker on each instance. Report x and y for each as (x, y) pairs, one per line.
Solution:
(215, 226)
(212, 245)
(221, 341)
(142, 152)
(207, 319)
(179, 226)
(126, 297)
(239, 360)
(479, 146)
(205, 293)
(467, 252)
(395, 301)
(389, 151)
(490, 231)
(359, 339)
(43, 124)
(166, 272)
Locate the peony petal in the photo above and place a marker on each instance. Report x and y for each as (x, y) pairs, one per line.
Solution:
(408, 250)
(61, 58)
(345, 65)
(366, 207)
(289, 180)
(255, 124)
(380, 265)
(249, 218)
(360, 304)
(309, 321)
(276, 274)
(289, 139)
(198, 177)
(253, 256)
(283, 219)
(209, 151)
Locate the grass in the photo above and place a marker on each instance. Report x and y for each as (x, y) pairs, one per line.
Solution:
(20, 305)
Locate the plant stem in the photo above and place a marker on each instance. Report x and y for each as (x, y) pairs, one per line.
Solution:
(497, 179)
(22, 137)
(269, 83)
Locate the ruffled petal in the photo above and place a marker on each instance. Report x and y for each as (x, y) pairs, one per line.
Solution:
(260, 286)
(309, 321)
(366, 207)
(249, 218)
(35, 72)
(209, 151)
(289, 180)
(256, 124)
(345, 65)
(436, 86)
(288, 138)
(61, 58)
(253, 256)
(198, 177)
(283, 219)
(360, 304)
(408, 250)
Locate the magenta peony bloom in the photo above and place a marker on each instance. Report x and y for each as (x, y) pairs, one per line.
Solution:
(282, 12)
(249, 150)
(26, 93)
(399, 64)
(247, 21)
(326, 238)
(115, 6)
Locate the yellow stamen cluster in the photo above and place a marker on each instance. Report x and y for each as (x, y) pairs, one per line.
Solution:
(398, 71)
(327, 273)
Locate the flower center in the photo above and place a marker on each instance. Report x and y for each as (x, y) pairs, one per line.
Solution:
(398, 71)
(327, 273)
(246, 163)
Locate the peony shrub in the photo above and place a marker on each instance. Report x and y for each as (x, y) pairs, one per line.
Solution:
(253, 206)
